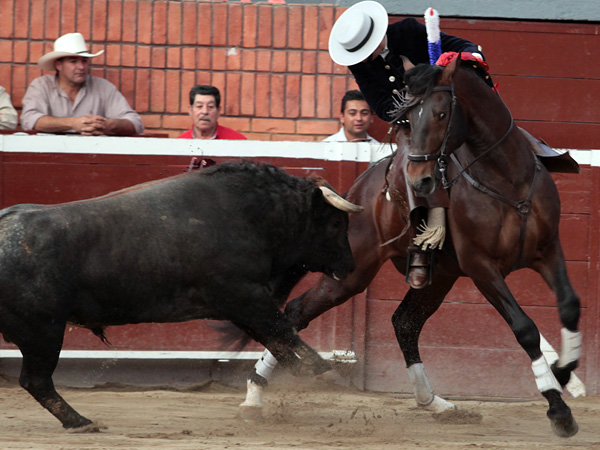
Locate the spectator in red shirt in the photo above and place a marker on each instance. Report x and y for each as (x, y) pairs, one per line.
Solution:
(205, 110)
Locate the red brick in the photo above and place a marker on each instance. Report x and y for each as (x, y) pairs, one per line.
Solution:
(325, 24)
(21, 16)
(113, 55)
(234, 23)
(128, 55)
(257, 136)
(320, 127)
(241, 124)
(173, 93)
(188, 57)
(248, 60)
(128, 85)
(19, 84)
(247, 94)
(7, 12)
(159, 57)
(159, 23)
(292, 96)
(232, 96)
(324, 62)
(338, 90)
(205, 20)
(143, 56)
(279, 61)
(190, 21)
(130, 14)
(114, 76)
(114, 20)
(21, 49)
(273, 126)
(5, 72)
(219, 24)
(294, 61)
(37, 17)
(97, 72)
(309, 62)
(6, 50)
(180, 122)
(295, 26)
(262, 95)
(277, 95)
(95, 48)
(99, 12)
(307, 102)
(67, 16)
(142, 90)
(292, 137)
(174, 57)
(36, 50)
(144, 22)
(204, 77)
(52, 19)
(84, 18)
(204, 60)
(249, 37)
(31, 73)
(174, 25)
(265, 25)
(152, 121)
(323, 96)
(280, 31)
(188, 81)
(219, 59)
(311, 25)
(264, 60)
(234, 59)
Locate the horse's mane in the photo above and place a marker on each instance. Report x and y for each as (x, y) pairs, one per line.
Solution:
(421, 79)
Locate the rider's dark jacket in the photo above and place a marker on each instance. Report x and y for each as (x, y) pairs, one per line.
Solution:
(380, 80)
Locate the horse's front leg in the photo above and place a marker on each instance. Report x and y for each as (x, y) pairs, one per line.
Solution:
(408, 320)
(493, 287)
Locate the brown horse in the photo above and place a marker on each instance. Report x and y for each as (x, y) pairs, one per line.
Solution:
(503, 216)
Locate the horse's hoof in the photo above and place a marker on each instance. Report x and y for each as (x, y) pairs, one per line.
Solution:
(93, 427)
(438, 405)
(251, 413)
(564, 427)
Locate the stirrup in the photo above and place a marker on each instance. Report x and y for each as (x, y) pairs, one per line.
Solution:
(430, 255)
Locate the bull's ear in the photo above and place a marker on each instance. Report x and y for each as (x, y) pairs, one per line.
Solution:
(339, 202)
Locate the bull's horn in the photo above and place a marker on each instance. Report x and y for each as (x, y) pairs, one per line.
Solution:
(339, 202)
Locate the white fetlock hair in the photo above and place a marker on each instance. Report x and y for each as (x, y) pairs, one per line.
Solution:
(433, 232)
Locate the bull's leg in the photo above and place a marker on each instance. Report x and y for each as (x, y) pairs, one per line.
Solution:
(554, 272)
(495, 290)
(39, 361)
(327, 294)
(408, 320)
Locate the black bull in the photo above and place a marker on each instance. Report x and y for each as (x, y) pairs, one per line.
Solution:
(226, 243)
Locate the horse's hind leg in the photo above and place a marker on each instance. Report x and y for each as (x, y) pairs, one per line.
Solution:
(495, 290)
(408, 320)
(554, 272)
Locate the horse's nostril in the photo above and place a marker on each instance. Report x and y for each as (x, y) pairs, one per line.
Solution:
(424, 186)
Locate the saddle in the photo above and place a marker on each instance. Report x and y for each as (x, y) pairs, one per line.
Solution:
(553, 160)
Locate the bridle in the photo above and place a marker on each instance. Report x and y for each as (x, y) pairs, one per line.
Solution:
(442, 157)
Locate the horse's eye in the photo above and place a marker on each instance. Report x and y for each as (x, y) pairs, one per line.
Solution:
(442, 116)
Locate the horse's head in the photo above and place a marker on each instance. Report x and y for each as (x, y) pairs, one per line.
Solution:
(436, 122)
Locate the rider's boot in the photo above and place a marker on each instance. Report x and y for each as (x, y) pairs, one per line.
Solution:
(419, 270)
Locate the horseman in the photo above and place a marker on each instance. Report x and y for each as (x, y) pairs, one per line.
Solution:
(362, 40)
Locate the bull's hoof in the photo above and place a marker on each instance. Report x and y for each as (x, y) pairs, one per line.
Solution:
(251, 413)
(92, 427)
(564, 426)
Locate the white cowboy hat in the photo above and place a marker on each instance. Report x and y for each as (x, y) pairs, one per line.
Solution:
(357, 33)
(71, 44)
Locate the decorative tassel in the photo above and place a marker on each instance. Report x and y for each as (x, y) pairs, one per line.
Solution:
(433, 233)
(434, 41)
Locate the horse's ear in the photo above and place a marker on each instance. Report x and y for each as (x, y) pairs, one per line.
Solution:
(449, 71)
(406, 63)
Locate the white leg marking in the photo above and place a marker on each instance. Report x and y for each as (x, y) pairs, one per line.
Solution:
(254, 396)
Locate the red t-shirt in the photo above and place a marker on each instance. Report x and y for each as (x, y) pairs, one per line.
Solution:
(222, 133)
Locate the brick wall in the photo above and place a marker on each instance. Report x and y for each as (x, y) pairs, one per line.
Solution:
(269, 60)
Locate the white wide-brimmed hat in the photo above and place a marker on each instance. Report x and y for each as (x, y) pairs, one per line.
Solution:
(357, 33)
(71, 44)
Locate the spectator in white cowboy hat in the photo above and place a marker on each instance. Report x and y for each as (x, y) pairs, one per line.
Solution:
(72, 100)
